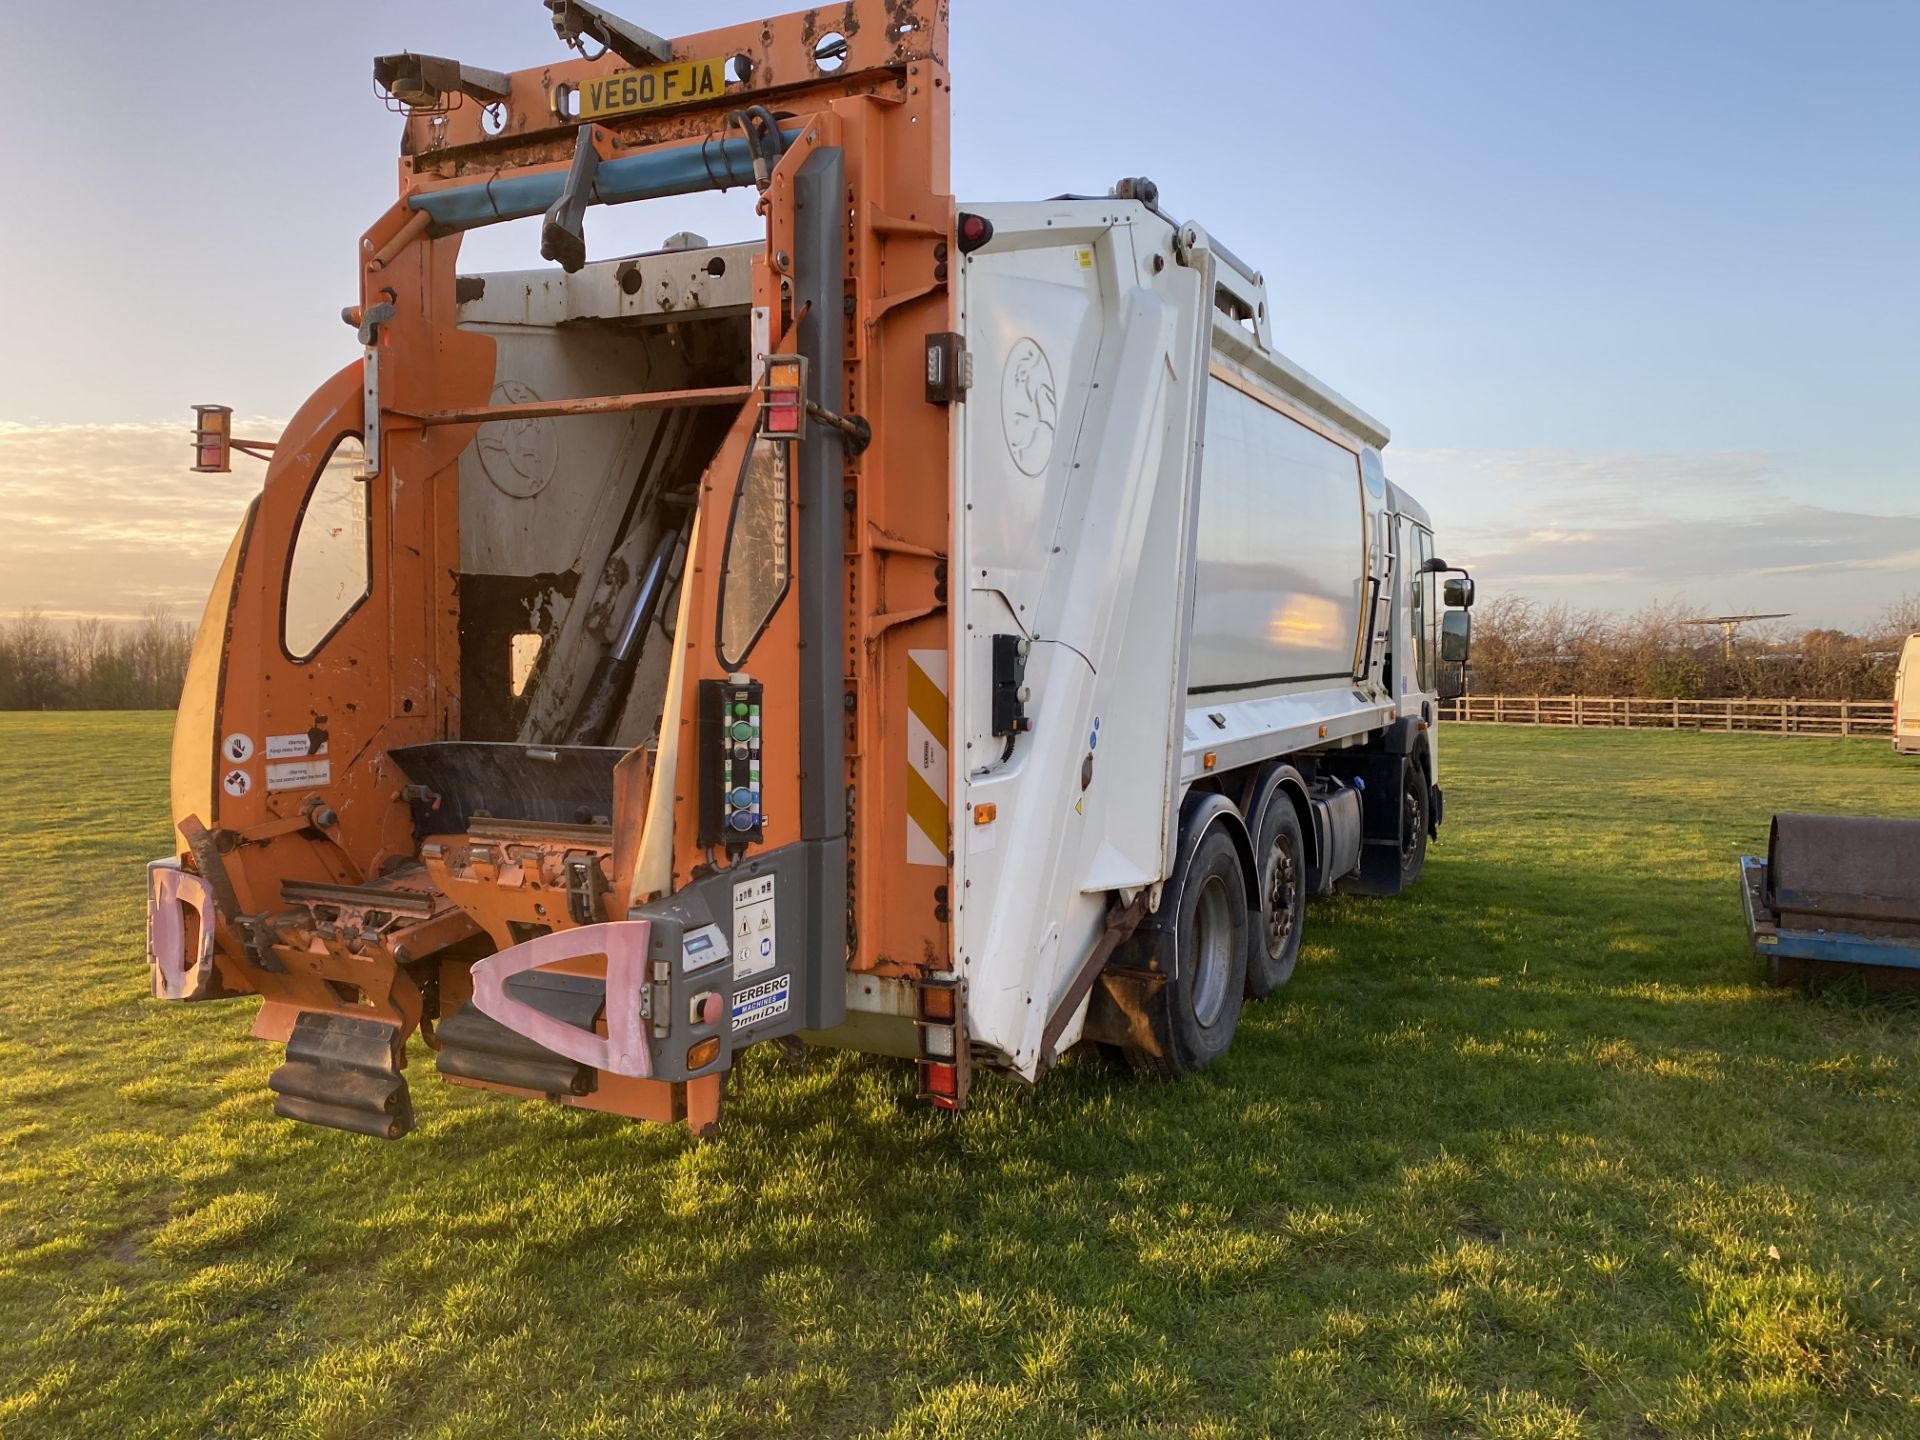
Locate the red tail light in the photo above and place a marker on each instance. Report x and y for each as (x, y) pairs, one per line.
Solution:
(783, 416)
(783, 402)
(946, 1057)
(975, 231)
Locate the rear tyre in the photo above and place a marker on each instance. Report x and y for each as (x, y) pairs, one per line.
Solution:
(1280, 905)
(1413, 822)
(1195, 1014)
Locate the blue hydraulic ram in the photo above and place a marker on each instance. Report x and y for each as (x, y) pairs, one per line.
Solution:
(713, 164)
(1837, 896)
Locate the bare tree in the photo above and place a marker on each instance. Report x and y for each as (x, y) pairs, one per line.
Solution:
(1522, 647)
(36, 668)
(93, 664)
(1899, 620)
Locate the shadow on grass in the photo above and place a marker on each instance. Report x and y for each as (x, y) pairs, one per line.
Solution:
(1534, 1151)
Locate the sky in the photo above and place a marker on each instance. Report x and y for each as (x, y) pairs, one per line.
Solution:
(1636, 286)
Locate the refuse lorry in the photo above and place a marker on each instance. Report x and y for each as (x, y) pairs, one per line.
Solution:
(947, 631)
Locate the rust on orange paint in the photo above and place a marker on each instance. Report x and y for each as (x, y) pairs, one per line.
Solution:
(390, 675)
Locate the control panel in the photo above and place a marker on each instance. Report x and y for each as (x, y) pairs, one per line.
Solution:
(730, 754)
(729, 965)
(1010, 692)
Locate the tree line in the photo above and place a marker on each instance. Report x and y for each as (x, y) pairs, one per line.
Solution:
(1525, 647)
(93, 664)
(1520, 647)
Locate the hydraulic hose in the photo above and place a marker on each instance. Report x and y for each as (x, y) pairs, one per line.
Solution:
(765, 144)
(606, 691)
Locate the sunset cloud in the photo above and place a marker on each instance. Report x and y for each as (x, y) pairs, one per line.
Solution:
(109, 519)
(1622, 529)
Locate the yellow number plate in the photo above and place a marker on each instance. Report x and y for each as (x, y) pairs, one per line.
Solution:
(625, 92)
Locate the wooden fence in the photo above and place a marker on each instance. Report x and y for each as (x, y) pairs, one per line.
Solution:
(1861, 719)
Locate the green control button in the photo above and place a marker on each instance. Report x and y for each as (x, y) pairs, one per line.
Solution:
(743, 732)
(742, 710)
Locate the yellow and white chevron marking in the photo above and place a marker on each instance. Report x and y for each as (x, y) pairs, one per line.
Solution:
(928, 725)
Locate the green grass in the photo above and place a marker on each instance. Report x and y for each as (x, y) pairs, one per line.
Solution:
(1531, 1153)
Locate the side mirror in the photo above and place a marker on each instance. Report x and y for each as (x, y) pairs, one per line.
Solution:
(1456, 637)
(1459, 594)
(1453, 681)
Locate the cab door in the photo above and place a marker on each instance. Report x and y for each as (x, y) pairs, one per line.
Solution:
(1420, 677)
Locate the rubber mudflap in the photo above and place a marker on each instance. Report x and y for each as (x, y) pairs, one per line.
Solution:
(343, 1072)
(477, 1047)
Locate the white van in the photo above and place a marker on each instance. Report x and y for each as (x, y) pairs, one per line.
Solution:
(1906, 699)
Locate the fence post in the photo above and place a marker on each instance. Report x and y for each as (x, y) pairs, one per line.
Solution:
(1846, 719)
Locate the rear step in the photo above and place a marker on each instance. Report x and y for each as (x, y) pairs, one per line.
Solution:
(475, 1047)
(344, 1072)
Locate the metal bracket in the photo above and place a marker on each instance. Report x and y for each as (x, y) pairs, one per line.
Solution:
(371, 322)
(1122, 921)
(579, 21)
(372, 319)
(949, 369)
(858, 432)
(586, 887)
(427, 84)
(946, 1050)
(205, 849)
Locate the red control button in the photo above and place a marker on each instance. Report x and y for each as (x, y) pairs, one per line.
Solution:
(709, 1009)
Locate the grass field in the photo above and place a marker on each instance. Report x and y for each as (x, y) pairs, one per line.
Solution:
(1532, 1153)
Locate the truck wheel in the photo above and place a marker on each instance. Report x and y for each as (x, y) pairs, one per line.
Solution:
(1413, 834)
(1195, 1014)
(1280, 907)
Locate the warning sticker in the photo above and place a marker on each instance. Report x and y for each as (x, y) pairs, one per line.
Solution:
(236, 782)
(755, 950)
(299, 774)
(238, 748)
(293, 747)
(763, 1002)
(929, 717)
